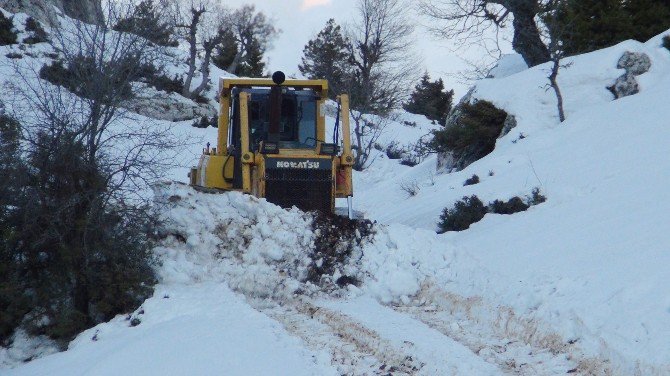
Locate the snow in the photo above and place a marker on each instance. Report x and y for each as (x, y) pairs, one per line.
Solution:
(508, 65)
(198, 329)
(575, 284)
(591, 262)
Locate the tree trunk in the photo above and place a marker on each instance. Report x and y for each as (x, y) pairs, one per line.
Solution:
(527, 41)
(193, 49)
(553, 78)
(236, 62)
(204, 69)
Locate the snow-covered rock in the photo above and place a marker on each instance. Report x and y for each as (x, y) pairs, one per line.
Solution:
(162, 105)
(508, 65)
(48, 11)
(635, 64)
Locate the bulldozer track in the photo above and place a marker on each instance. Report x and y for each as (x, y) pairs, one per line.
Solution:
(354, 348)
(513, 344)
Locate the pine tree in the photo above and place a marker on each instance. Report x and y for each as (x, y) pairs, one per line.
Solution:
(146, 22)
(591, 25)
(648, 18)
(326, 57)
(224, 52)
(254, 66)
(430, 99)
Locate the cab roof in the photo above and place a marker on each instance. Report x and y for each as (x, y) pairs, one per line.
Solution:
(226, 84)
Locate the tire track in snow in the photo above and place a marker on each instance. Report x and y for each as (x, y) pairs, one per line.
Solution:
(439, 354)
(512, 343)
(356, 349)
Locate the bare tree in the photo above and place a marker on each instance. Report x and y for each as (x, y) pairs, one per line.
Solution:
(367, 130)
(558, 32)
(200, 24)
(468, 20)
(382, 68)
(80, 223)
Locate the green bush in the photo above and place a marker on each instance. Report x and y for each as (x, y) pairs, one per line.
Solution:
(7, 33)
(147, 23)
(465, 212)
(68, 259)
(474, 179)
(393, 151)
(513, 205)
(470, 210)
(536, 197)
(70, 77)
(167, 84)
(205, 122)
(38, 35)
(476, 130)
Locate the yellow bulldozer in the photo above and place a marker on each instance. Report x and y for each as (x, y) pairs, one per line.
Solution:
(272, 144)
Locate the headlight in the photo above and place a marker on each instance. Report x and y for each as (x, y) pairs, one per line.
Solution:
(270, 148)
(328, 149)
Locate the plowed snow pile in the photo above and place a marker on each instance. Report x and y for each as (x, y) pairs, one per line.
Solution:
(258, 248)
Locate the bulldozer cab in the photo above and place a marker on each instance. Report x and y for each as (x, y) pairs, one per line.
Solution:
(272, 144)
(295, 126)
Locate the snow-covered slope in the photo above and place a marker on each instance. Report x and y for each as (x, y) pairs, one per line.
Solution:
(592, 261)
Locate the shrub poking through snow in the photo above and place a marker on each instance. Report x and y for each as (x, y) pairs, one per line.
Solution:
(336, 238)
(472, 181)
(409, 160)
(410, 187)
(37, 33)
(513, 205)
(465, 212)
(7, 33)
(167, 84)
(470, 210)
(536, 197)
(393, 151)
(204, 122)
(666, 42)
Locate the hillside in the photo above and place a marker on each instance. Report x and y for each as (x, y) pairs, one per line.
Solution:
(573, 285)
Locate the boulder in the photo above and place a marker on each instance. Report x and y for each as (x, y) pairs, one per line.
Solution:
(635, 64)
(168, 106)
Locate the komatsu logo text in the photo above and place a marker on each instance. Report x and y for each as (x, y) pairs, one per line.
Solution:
(299, 164)
(304, 164)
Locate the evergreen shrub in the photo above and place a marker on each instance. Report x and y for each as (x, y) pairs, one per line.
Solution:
(476, 130)
(7, 33)
(474, 179)
(38, 35)
(465, 212)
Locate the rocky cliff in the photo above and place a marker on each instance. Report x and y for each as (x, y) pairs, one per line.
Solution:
(46, 10)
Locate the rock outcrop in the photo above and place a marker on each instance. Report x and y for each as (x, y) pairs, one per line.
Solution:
(89, 11)
(168, 106)
(451, 161)
(635, 64)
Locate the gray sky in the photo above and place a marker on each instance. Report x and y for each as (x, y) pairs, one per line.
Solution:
(300, 20)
